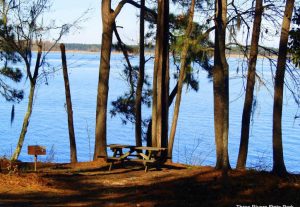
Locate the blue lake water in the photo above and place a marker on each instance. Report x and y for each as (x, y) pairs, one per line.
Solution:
(194, 142)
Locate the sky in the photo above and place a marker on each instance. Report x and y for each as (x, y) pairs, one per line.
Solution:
(67, 11)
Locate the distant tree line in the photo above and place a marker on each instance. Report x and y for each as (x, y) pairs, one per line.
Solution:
(86, 47)
(230, 50)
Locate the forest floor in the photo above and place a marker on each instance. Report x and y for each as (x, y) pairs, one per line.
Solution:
(91, 184)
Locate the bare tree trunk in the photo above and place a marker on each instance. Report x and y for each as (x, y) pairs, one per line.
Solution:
(154, 97)
(29, 105)
(278, 160)
(102, 95)
(166, 78)
(25, 123)
(165, 98)
(226, 164)
(4, 13)
(182, 73)
(158, 123)
(221, 87)
(218, 90)
(139, 88)
(108, 19)
(161, 77)
(73, 151)
(170, 100)
(242, 158)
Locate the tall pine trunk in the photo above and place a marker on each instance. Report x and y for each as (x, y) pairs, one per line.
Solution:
(165, 95)
(27, 116)
(221, 87)
(170, 101)
(139, 89)
(161, 78)
(154, 97)
(246, 117)
(278, 160)
(73, 151)
(226, 165)
(184, 53)
(108, 20)
(102, 95)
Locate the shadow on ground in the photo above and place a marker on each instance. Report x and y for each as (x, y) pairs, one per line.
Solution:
(170, 186)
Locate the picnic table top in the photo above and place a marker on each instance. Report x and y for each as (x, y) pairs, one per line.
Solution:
(119, 146)
(112, 146)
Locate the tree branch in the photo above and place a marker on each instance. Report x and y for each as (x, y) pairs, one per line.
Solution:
(118, 9)
(148, 10)
(125, 53)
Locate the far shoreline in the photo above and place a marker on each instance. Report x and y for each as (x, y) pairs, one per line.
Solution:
(230, 55)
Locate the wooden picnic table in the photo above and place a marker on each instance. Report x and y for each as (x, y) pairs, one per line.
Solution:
(143, 154)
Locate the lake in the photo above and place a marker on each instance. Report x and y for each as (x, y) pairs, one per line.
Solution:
(194, 142)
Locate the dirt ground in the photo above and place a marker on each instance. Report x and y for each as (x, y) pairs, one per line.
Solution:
(91, 184)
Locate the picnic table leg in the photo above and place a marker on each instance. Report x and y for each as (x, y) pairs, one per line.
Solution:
(116, 152)
(149, 158)
(110, 166)
(35, 161)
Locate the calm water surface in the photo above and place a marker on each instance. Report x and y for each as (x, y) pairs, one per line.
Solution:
(194, 143)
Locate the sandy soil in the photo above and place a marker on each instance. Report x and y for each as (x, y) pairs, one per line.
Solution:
(91, 184)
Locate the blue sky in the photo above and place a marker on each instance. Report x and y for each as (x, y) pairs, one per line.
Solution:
(66, 11)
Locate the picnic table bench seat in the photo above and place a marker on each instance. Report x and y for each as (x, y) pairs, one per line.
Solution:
(113, 159)
(142, 161)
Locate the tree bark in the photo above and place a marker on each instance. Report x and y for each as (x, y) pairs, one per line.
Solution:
(73, 151)
(4, 13)
(278, 160)
(170, 100)
(221, 87)
(218, 91)
(139, 89)
(161, 78)
(165, 98)
(166, 78)
(108, 20)
(226, 164)
(184, 53)
(154, 99)
(29, 105)
(25, 123)
(246, 117)
(102, 95)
